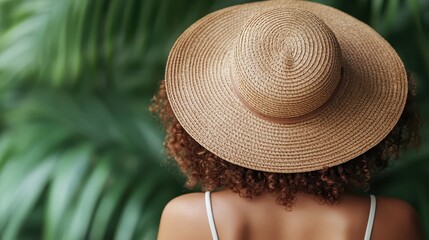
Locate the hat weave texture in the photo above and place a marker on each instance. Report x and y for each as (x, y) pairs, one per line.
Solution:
(285, 86)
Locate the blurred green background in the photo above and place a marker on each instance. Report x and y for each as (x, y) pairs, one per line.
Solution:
(80, 155)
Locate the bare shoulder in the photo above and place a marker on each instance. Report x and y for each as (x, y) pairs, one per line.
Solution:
(184, 217)
(186, 205)
(397, 219)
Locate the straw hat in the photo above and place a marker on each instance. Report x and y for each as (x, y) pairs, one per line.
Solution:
(285, 86)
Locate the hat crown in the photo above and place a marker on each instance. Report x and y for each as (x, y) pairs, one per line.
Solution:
(287, 63)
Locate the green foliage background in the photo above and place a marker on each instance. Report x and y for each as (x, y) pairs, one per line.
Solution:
(80, 155)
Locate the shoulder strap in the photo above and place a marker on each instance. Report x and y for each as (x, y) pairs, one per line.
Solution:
(210, 216)
(370, 218)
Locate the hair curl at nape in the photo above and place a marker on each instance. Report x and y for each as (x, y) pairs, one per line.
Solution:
(209, 172)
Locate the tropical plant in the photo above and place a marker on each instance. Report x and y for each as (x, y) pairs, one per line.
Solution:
(80, 155)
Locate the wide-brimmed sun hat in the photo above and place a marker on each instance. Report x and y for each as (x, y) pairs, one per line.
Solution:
(285, 86)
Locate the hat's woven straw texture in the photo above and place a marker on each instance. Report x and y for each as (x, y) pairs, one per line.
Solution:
(285, 86)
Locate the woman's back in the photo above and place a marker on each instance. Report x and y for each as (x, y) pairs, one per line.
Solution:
(284, 97)
(261, 218)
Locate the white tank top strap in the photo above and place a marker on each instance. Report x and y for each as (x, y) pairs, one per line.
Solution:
(370, 218)
(210, 215)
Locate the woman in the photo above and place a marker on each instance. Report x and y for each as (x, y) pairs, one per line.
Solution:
(282, 108)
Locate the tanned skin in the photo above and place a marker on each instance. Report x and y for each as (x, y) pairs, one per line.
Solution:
(261, 218)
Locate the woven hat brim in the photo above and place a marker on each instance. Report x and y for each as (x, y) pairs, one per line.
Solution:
(364, 109)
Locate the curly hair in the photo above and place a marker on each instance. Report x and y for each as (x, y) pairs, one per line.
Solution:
(209, 172)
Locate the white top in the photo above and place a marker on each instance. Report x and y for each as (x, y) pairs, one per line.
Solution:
(370, 218)
(210, 216)
(368, 231)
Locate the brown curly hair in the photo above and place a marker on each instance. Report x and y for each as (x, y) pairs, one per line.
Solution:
(209, 172)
